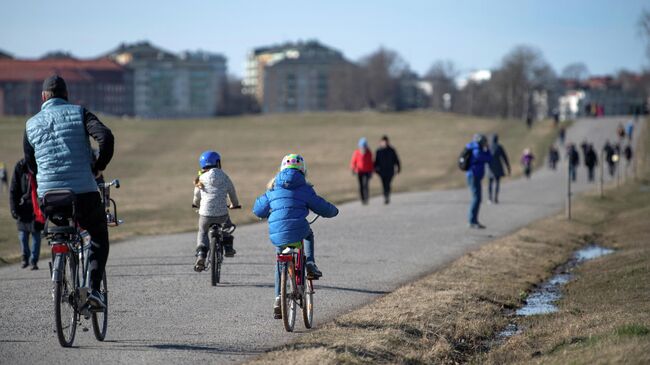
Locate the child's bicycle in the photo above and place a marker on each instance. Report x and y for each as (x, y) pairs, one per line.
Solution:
(296, 289)
(215, 254)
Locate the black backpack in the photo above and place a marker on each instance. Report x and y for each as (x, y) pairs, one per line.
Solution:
(465, 159)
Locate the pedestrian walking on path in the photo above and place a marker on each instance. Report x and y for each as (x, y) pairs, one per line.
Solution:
(386, 165)
(591, 161)
(361, 165)
(527, 158)
(610, 152)
(29, 221)
(480, 155)
(496, 172)
(629, 129)
(3, 178)
(620, 131)
(627, 152)
(553, 157)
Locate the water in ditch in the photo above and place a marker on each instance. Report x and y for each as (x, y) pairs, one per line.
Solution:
(542, 300)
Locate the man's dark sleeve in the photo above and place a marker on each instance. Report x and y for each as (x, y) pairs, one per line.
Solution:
(505, 158)
(30, 158)
(14, 192)
(399, 166)
(104, 137)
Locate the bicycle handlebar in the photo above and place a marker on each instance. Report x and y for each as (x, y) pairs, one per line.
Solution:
(115, 183)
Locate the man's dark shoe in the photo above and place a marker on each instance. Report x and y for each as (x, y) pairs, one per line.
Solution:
(312, 271)
(24, 265)
(476, 226)
(277, 311)
(34, 267)
(96, 299)
(229, 251)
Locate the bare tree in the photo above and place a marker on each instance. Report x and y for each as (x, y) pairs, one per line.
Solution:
(644, 29)
(442, 76)
(523, 70)
(232, 101)
(381, 72)
(575, 71)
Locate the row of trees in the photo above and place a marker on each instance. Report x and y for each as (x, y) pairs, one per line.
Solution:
(516, 88)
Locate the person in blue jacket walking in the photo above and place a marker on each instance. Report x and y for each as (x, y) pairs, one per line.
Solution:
(480, 156)
(286, 204)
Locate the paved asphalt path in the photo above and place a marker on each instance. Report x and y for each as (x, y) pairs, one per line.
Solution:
(163, 312)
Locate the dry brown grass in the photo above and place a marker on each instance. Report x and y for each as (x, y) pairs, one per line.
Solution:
(453, 315)
(157, 160)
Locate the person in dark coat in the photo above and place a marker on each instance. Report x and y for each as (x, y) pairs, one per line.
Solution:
(627, 152)
(591, 161)
(609, 157)
(496, 170)
(386, 165)
(553, 157)
(22, 210)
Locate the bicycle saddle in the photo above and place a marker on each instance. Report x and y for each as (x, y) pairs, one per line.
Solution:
(58, 205)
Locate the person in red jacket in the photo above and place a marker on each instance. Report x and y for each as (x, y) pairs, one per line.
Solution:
(362, 165)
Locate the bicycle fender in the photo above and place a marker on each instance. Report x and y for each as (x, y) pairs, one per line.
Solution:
(57, 268)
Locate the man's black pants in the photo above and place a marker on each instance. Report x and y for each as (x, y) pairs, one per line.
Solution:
(386, 181)
(91, 217)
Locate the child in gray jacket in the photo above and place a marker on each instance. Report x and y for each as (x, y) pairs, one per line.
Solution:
(212, 190)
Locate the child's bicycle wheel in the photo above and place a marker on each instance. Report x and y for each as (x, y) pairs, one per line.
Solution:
(287, 296)
(216, 256)
(308, 304)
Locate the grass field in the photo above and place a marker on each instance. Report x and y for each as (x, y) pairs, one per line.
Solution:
(156, 161)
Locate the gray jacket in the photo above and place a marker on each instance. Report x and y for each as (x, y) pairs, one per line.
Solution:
(212, 199)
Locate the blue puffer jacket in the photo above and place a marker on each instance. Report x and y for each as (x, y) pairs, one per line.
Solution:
(61, 148)
(479, 158)
(288, 204)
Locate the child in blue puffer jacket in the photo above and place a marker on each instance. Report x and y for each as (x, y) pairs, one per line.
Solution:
(286, 204)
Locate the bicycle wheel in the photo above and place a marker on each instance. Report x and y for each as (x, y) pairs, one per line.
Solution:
(100, 318)
(287, 297)
(65, 298)
(215, 266)
(308, 304)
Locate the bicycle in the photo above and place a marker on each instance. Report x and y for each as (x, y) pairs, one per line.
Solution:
(296, 288)
(215, 252)
(69, 245)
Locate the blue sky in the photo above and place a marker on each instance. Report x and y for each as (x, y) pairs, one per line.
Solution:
(474, 34)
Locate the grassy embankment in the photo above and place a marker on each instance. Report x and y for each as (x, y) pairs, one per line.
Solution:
(454, 315)
(156, 161)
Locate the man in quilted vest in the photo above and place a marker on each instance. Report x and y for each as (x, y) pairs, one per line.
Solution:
(58, 151)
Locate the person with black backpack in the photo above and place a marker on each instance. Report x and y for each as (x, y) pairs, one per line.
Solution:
(473, 160)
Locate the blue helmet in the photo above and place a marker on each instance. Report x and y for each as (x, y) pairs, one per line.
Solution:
(363, 142)
(209, 159)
